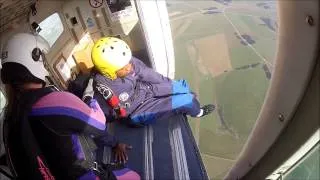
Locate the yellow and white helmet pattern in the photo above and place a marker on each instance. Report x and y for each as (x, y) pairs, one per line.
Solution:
(109, 55)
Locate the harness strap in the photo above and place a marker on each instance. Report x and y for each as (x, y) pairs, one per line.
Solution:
(111, 99)
(88, 147)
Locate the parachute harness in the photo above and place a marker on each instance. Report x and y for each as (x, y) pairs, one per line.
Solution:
(111, 99)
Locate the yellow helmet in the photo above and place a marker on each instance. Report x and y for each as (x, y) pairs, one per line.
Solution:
(110, 54)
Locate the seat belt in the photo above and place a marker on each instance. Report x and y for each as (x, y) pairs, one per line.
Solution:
(88, 147)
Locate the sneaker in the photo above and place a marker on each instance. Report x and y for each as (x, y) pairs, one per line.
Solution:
(207, 109)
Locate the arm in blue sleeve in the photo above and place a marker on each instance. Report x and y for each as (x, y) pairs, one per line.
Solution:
(147, 74)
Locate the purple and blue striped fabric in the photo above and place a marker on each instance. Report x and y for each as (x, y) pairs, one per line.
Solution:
(64, 103)
(126, 174)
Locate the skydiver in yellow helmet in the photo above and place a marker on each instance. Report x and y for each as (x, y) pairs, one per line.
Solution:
(110, 55)
(143, 93)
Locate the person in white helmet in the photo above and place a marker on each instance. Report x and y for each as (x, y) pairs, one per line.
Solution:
(139, 94)
(51, 134)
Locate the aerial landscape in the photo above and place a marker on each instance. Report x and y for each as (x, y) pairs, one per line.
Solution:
(225, 49)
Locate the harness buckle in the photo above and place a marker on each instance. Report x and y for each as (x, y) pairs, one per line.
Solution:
(96, 166)
(105, 91)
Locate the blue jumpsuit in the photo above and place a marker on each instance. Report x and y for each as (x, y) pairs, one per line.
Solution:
(147, 95)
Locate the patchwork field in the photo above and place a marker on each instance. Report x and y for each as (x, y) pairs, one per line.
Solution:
(217, 62)
(225, 50)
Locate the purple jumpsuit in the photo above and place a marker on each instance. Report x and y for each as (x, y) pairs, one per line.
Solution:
(147, 95)
(58, 123)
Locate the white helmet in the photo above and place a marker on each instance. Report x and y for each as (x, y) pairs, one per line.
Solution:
(28, 50)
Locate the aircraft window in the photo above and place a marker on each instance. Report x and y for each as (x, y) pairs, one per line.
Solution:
(308, 168)
(225, 49)
(118, 5)
(303, 164)
(51, 28)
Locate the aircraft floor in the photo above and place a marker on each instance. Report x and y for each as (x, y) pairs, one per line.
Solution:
(164, 150)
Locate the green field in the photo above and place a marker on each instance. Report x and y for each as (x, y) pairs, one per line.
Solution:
(238, 93)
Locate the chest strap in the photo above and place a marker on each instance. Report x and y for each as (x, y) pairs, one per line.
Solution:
(111, 99)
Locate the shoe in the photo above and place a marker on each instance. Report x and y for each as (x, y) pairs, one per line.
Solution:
(207, 109)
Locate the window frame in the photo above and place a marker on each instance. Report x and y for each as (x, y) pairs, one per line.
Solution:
(298, 157)
(157, 35)
(2, 94)
(294, 64)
